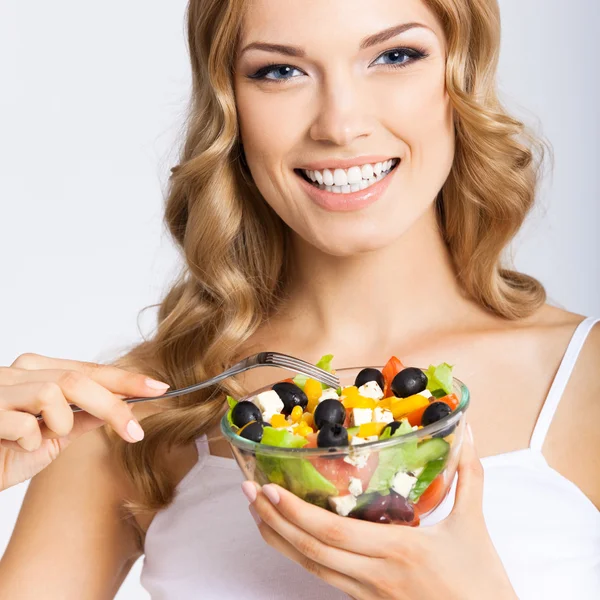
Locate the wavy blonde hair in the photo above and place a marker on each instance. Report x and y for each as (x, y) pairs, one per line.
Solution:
(235, 247)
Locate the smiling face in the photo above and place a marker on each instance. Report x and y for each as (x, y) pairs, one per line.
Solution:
(346, 102)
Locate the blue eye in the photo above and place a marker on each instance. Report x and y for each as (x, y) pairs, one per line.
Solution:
(401, 57)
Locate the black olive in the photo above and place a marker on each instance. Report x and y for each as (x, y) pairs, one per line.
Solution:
(400, 509)
(253, 431)
(332, 435)
(392, 427)
(369, 374)
(244, 412)
(329, 411)
(376, 510)
(435, 412)
(408, 382)
(291, 395)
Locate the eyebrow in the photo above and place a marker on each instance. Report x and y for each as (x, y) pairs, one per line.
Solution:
(371, 40)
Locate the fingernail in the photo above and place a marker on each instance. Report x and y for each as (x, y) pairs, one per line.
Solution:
(156, 385)
(470, 432)
(136, 433)
(249, 491)
(271, 493)
(254, 514)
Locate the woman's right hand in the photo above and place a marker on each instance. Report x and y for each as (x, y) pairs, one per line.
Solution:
(36, 384)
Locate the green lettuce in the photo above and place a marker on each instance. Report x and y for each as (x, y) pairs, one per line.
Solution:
(232, 402)
(298, 475)
(392, 460)
(439, 379)
(323, 363)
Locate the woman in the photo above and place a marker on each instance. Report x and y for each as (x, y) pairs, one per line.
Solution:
(284, 93)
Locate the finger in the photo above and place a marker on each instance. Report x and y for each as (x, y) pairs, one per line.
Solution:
(82, 423)
(21, 428)
(345, 533)
(312, 548)
(91, 397)
(469, 488)
(114, 379)
(343, 582)
(46, 398)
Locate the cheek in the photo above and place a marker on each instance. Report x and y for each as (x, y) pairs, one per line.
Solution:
(425, 123)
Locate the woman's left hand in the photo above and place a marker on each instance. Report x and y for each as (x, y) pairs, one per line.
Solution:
(453, 559)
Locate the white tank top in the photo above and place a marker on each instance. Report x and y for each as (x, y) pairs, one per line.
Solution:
(205, 545)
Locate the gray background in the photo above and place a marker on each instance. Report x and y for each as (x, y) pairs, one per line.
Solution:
(93, 99)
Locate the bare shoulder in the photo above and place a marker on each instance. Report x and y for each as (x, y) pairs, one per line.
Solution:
(572, 445)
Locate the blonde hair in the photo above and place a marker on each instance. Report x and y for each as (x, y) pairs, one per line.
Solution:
(235, 247)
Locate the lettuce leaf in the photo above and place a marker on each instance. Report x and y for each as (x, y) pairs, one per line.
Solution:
(282, 438)
(323, 363)
(439, 379)
(392, 460)
(232, 402)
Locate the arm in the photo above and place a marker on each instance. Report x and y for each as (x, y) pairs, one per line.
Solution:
(71, 535)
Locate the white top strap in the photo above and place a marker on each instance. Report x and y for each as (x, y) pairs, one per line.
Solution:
(560, 382)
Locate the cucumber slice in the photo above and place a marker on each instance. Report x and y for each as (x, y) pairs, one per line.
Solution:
(429, 473)
(429, 450)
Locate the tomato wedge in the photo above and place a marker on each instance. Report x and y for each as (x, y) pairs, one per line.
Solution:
(391, 369)
(432, 496)
(414, 417)
(451, 400)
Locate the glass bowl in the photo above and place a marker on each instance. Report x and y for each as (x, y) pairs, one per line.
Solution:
(379, 473)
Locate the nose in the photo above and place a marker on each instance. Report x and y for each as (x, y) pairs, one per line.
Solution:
(343, 111)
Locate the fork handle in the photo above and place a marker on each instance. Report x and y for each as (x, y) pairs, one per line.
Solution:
(234, 370)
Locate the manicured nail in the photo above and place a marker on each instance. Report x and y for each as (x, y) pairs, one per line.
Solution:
(156, 385)
(470, 432)
(271, 493)
(254, 514)
(249, 490)
(136, 433)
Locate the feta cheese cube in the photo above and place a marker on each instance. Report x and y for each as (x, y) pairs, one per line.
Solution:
(402, 483)
(383, 415)
(371, 389)
(417, 472)
(361, 416)
(343, 505)
(363, 440)
(269, 404)
(327, 394)
(425, 393)
(355, 487)
(357, 460)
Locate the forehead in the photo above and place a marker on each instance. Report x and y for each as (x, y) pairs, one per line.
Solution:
(321, 24)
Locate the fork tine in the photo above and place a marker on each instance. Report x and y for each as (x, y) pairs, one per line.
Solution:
(296, 364)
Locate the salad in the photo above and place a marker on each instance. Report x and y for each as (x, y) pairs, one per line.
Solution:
(354, 476)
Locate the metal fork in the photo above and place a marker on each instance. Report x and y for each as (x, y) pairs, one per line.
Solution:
(262, 359)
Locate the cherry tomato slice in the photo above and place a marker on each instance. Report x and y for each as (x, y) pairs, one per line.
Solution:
(451, 400)
(432, 496)
(391, 369)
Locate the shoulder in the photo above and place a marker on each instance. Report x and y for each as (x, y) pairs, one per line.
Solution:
(572, 445)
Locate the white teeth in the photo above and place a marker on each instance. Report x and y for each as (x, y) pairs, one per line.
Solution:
(354, 175)
(342, 181)
(367, 171)
(339, 177)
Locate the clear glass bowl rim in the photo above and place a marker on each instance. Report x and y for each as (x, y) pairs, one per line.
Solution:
(429, 430)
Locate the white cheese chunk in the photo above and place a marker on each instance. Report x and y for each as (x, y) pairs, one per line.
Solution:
(363, 440)
(343, 505)
(327, 394)
(418, 471)
(402, 483)
(269, 404)
(355, 487)
(425, 393)
(371, 389)
(357, 460)
(360, 416)
(383, 415)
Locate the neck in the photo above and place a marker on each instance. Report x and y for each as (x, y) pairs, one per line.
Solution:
(400, 292)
